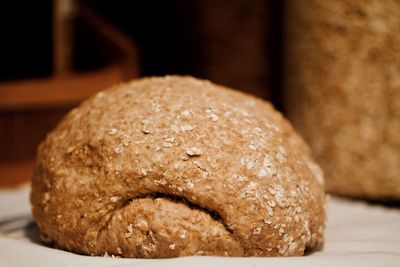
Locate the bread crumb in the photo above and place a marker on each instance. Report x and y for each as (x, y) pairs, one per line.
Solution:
(282, 251)
(184, 157)
(143, 172)
(250, 163)
(118, 149)
(183, 235)
(129, 229)
(170, 139)
(172, 246)
(142, 225)
(46, 197)
(198, 165)
(257, 231)
(167, 144)
(271, 203)
(267, 168)
(186, 127)
(114, 198)
(190, 184)
(112, 131)
(156, 107)
(185, 113)
(267, 221)
(271, 190)
(292, 246)
(281, 231)
(281, 155)
(200, 252)
(213, 117)
(270, 211)
(262, 173)
(242, 178)
(193, 151)
(161, 182)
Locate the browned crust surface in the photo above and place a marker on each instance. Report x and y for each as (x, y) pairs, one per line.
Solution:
(174, 166)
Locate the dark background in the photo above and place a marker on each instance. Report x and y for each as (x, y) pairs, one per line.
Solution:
(169, 35)
(230, 42)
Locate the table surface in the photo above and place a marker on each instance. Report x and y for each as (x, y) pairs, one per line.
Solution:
(357, 234)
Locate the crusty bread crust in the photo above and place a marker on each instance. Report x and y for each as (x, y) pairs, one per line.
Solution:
(175, 166)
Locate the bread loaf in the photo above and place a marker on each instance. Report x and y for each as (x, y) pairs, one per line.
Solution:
(343, 91)
(175, 166)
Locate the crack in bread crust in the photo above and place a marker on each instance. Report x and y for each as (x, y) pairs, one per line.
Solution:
(215, 216)
(189, 222)
(180, 199)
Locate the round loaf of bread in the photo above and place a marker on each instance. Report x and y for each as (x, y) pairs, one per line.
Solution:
(176, 166)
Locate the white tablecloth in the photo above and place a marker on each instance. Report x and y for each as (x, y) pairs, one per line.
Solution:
(357, 234)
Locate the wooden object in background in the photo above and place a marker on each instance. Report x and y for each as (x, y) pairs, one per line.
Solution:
(30, 108)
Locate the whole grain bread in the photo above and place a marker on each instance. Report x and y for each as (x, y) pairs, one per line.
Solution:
(175, 166)
(343, 91)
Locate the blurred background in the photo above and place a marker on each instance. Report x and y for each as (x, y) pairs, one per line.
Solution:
(332, 67)
(56, 53)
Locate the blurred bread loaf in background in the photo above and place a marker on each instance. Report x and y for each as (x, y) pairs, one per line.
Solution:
(342, 91)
